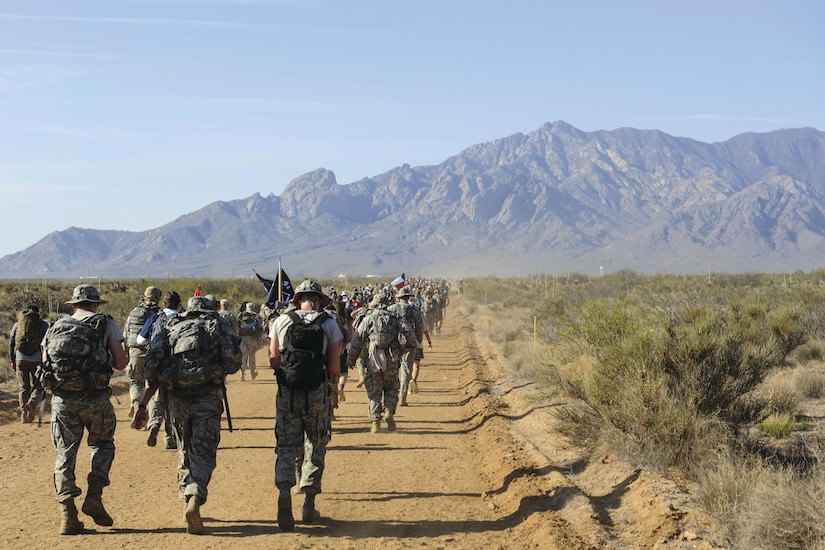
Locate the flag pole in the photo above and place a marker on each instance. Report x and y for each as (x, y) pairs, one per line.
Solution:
(280, 282)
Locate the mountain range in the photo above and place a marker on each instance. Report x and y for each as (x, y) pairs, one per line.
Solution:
(556, 200)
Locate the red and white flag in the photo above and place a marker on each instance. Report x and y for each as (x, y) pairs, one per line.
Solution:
(399, 281)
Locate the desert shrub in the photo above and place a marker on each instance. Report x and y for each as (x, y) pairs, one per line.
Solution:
(657, 378)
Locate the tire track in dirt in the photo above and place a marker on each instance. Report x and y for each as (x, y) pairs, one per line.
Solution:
(452, 476)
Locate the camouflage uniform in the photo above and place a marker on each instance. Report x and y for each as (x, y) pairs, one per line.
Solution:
(84, 409)
(382, 385)
(196, 418)
(414, 316)
(137, 354)
(195, 411)
(301, 413)
(72, 412)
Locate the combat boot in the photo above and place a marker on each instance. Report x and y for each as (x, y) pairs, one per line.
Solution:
(376, 426)
(93, 507)
(403, 401)
(390, 419)
(194, 523)
(285, 519)
(309, 514)
(69, 524)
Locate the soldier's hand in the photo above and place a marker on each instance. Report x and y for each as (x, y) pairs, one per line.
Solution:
(13, 365)
(140, 418)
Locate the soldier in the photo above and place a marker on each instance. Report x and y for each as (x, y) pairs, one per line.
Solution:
(250, 329)
(141, 313)
(191, 354)
(79, 353)
(304, 349)
(225, 312)
(410, 360)
(379, 333)
(25, 356)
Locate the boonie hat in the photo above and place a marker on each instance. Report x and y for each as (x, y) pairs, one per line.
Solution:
(152, 293)
(85, 293)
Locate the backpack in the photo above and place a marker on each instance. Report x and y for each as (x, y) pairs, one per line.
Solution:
(196, 351)
(249, 324)
(135, 321)
(303, 362)
(29, 332)
(76, 354)
(383, 329)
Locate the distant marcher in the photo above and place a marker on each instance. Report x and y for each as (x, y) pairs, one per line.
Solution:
(191, 354)
(379, 333)
(25, 356)
(250, 329)
(304, 350)
(230, 317)
(141, 313)
(79, 353)
(157, 403)
(411, 359)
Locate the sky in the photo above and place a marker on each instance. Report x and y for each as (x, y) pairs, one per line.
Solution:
(126, 114)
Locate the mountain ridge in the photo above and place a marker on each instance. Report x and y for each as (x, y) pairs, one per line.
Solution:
(555, 200)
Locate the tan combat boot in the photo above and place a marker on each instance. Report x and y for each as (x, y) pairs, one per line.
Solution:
(194, 522)
(69, 524)
(93, 507)
(376, 426)
(390, 419)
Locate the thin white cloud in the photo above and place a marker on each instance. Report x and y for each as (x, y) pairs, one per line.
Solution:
(231, 25)
(63, 53)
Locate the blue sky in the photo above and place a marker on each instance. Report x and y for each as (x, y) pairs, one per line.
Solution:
(125, 114)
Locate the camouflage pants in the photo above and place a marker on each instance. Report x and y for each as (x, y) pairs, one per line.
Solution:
(405, 372)
(302, 422)
(382, 385)
(94, 412)
(158, 414)
(29, 388)
(249, 345)
(135, 372)
(196, 418)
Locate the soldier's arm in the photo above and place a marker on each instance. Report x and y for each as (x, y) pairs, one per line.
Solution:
(274, 353)
(334, 357)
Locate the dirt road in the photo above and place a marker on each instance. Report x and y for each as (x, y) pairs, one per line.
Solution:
(470, 466)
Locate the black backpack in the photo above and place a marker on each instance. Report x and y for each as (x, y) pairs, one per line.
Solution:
(303, 362)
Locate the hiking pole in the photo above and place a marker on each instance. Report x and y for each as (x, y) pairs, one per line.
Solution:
(226, 406)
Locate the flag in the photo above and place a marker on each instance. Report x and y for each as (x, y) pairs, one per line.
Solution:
(198, 291)
(266, 282)
(272, 289)
(399, 282)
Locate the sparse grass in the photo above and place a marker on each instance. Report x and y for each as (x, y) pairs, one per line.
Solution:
(675, 371)
(810, 384)
(778, 425)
